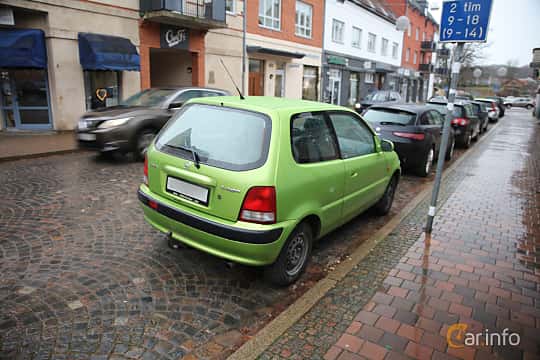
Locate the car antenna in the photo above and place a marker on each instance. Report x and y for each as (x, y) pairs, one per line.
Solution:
(230, 76)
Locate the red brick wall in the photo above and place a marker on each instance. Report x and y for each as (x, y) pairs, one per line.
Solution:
(149, 33)
(417, 20)
(288, 20)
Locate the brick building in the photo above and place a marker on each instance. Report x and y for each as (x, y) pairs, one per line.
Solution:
(418, 48)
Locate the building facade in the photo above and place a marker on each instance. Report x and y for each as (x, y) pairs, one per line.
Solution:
(419, 46)
(362, 50)
(61, 58)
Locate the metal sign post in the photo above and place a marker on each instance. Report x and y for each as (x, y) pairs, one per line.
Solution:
(462, 21)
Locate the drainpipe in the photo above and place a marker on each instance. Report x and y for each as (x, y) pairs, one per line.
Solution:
(244, 55)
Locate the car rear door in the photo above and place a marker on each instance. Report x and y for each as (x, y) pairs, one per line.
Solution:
(366, 172)
(432, 129)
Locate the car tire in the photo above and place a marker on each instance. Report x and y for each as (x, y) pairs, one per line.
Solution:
(142, 141)
(529, 107)
(383, 206)
(450, 153)
(293, 258)
(466, 143)
(508, 106)
(425, 168)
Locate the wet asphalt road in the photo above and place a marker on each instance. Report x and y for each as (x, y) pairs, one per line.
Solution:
(83, 276)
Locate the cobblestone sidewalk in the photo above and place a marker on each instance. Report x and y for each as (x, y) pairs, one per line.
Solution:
(480, 268)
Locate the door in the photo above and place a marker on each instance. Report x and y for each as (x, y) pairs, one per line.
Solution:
(431, 127)
(365, 167)
(279, 80)
(256, 77)
(335, 86)
(25, 99)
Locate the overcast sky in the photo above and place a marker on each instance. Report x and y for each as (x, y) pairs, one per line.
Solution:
(514, 30)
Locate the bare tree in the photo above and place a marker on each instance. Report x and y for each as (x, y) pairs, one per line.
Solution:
(472, 54)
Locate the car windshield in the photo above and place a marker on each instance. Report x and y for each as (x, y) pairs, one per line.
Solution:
(376, 96)
(227, 138)
(389, 116)
(148, 97)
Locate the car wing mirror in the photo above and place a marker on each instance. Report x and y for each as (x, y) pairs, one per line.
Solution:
(387, 145)
(175, 105)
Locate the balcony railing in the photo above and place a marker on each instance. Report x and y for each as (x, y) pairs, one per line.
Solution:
(426, 68)
(190, 13)
(443, 52)
(428, 46)
(441, 71)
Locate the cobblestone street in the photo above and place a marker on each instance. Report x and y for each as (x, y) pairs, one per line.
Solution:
(480, 268)
(84, 277)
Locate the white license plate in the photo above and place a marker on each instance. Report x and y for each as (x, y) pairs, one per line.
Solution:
(187, 190)
(87, 137)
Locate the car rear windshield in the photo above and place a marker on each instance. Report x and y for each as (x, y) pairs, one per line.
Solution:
(389, 116)
(443, 109)
(222, 137)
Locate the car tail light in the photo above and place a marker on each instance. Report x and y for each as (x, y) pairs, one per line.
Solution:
(259, 205)
(493, 107)
(413, 136)
(145, 178)
(460, 121)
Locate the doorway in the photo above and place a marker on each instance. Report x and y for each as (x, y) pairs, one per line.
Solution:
(279, 80)
(335, 86)
(256, 77)
(170, 67)
(24, 99)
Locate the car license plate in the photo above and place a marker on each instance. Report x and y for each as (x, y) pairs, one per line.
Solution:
(187, 190)
(87, 137)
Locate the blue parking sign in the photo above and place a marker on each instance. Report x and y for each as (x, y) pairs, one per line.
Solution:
(465, 20)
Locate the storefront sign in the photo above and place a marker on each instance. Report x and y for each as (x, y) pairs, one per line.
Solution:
(337, 60)
(367, 64)
(174, 37)
(407, 72)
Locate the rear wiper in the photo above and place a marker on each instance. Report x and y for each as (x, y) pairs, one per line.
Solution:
(391, 123)
(196, 159)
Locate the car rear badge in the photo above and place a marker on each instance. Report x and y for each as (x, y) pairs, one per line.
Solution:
(226, 188)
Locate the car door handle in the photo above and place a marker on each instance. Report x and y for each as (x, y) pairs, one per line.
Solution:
(354, 174)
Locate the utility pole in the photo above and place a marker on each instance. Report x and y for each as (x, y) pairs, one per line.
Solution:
(456, 65)
(244, 49)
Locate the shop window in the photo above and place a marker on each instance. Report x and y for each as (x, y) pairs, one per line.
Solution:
(353, 99)
(230, 6)
(270, 14)
(309, 83)
(369, 79)
(303, 19)
(102, 89)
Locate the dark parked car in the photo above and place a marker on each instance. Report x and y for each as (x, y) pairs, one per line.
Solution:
(465, 124)
(131, 126)
(500, 104)
(378, 97)
(481, 111)
(415, 131)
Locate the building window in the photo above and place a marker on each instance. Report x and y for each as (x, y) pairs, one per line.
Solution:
(337, 30)
(372, 39)
(370, 78)
(409, 30)
(415, 59)
(356, 37)
(303, 19)
(424, 36)
(395, 48)
(384, 47)
(407, 55)
(102, 89)
(417, 33)
(310, 80)
(230, 6)
(270, 14)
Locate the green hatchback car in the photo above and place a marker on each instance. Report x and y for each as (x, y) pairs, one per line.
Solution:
(257, 180)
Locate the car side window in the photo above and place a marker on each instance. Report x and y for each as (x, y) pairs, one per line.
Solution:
(354, 137)
(436, 117)
(312, 139)
(425, 119)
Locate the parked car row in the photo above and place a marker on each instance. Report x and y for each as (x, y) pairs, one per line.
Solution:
(258, 180)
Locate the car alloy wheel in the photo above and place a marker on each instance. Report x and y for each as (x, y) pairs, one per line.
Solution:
(450, 153)
(429, 160)
(297, 252)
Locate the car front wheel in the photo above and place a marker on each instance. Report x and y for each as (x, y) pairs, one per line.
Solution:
(293, 258)
(383, 206)
(425, 167)
(529, 107)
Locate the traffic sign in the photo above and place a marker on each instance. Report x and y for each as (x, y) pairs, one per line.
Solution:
(465, 20)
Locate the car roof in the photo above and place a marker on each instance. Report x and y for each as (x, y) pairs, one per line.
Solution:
(405, 107)
(456, 103)
(267, 104)
(178, 88)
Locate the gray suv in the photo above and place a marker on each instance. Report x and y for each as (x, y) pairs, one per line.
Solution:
(131, 126)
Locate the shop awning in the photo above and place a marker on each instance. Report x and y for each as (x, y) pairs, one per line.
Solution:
(105, 52)
(269, 51)
(22, 48)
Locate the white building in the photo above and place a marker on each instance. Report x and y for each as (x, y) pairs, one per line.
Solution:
(361, 50)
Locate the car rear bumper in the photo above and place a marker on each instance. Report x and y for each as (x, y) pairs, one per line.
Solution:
(110, 140)
(411, 154)
(255, 245)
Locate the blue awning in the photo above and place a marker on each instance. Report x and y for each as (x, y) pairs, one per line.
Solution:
(22, 48)
(105, 52)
